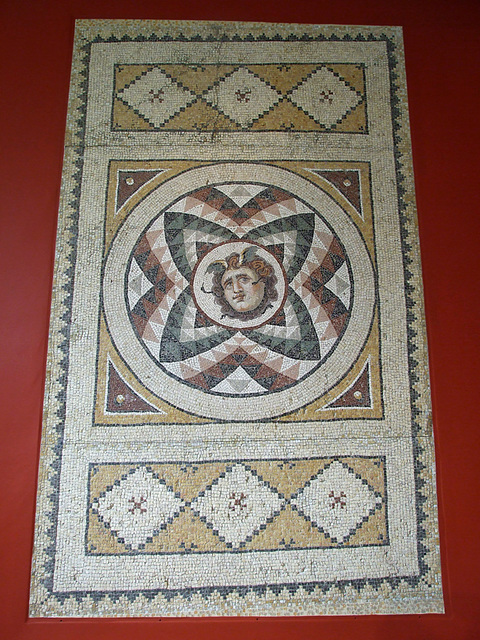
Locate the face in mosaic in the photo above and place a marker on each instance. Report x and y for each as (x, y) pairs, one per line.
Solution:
(245, 281)
(243, 287)
(239, 289)
(243, 290)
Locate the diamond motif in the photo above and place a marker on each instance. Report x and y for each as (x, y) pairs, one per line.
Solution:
(237, 505)
(239, 382)
(325, 97)
(240, 194)
(138, 284)
(337, 501)
(339, 284)
(156, 97)
(242, 97)
(137, 508)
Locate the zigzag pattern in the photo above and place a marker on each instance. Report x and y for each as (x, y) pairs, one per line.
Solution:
(216, 359)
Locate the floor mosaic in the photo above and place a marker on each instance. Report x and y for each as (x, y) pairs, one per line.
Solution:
(237, 416)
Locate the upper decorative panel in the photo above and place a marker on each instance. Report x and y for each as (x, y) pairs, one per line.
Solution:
(257, 97)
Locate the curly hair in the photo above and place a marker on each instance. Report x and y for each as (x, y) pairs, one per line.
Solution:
(264, 272)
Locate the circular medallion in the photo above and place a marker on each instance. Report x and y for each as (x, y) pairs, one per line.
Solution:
(240, 285)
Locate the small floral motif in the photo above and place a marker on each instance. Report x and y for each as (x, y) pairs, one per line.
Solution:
(237, 501)
(243, 95)
(338, 500)
(156, 95)
(137, 504)
(326, 96)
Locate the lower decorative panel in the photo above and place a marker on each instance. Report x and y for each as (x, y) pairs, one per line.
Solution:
(248, 505)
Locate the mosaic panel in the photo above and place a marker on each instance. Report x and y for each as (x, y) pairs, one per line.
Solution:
(198, 304)
(261, 97)
(243, 506)
(237, 418)
(214, 355)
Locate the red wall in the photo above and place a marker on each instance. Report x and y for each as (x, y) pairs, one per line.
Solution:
(442, 57)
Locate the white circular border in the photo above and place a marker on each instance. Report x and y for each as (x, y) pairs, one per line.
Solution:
(212, 310)
(193, 400)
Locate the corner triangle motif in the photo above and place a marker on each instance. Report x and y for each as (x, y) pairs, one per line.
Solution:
(128, 182)
(358, 395)
(347, 182)
(121, 398)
